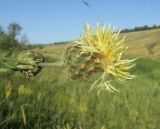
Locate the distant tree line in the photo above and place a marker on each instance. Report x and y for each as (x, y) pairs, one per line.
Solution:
(141, 28)
(8, 37)
(62, 42)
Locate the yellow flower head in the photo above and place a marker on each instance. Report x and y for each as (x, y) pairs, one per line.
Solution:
(110, 48)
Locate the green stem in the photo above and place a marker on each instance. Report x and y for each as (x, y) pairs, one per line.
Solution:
(24, 62)
(56, 64)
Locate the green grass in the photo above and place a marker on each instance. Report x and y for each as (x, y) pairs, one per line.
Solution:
(52, 101)
(55, 101)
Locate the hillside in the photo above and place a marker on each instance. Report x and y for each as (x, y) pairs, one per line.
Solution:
(136, 41)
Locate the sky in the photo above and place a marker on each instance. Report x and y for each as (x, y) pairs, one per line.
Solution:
(48, 21)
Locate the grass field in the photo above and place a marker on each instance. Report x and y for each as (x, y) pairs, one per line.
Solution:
(52, 101)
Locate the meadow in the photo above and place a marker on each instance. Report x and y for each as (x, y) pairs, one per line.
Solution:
(52, 101)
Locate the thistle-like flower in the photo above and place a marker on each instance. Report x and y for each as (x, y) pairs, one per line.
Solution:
(109, 49)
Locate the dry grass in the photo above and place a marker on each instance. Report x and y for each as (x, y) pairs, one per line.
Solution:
(137, 42)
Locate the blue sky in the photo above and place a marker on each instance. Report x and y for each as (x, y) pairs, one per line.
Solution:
(46, 21)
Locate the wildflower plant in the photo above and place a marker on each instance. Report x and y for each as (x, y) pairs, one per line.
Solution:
(97, 50)
(105, 49)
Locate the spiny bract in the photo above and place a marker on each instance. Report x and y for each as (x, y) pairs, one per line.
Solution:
(99, 50)
(80, 65)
